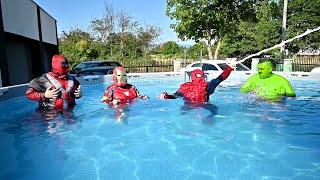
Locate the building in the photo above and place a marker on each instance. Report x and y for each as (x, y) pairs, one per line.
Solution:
(28, 39)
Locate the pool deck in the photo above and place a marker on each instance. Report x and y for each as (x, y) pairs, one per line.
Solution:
(16, 91)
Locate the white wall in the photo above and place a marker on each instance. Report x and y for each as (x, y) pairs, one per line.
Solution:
(20, 17)
(48, 28)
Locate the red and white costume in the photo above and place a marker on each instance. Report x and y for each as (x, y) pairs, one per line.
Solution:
(58, 78)
(120, 91)
(198, 90)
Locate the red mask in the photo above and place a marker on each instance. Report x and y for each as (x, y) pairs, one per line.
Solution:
(197, 76)
(60, 65)
(119, 76)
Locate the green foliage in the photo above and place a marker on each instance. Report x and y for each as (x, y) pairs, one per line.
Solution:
(303, 15)
(78, 46)
(194, 51)
(207, 19)
(266, 31)
(129, 44)
(257, 35)
(170, 48)
(242, 43)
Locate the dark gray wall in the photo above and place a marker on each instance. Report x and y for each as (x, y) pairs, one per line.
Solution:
(18, 56)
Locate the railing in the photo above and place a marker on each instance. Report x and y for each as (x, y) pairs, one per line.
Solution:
(149, 68)
(145, 66)
(305, 63)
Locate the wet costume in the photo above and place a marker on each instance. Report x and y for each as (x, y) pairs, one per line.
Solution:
(58, 78)
(267, 85)
(120, 92)
(124, 93)
(198, 90)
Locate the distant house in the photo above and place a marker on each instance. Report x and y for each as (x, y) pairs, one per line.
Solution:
(28, 39)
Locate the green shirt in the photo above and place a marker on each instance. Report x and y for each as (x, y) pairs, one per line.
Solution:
(271, 88)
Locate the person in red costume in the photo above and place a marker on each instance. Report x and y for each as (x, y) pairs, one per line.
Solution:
(120, 92)
(198, 90)
(56, 89)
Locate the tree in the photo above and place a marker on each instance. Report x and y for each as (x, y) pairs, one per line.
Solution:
(266, 31)
(170, 49)
(77, 46)
(103, 27)
(242, 43)
(303, 15)
(208, 20)
(146, 36)
(263, 32)
(194, 51)
(125, 25)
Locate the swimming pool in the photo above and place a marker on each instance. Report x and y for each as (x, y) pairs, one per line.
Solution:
(235, 136)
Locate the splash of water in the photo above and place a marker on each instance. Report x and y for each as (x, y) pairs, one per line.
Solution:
(281, 44)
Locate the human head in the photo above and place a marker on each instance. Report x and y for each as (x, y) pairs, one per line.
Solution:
(60, 65)
(265, 69)
(120, 76)
(197, 76)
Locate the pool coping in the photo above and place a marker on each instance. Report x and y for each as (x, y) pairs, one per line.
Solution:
(15, 91)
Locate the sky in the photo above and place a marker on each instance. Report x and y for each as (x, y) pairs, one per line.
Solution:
(78, 14)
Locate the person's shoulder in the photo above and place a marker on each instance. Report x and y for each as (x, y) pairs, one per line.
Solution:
(279, 77)
(39, 83)
(185, 85)
(253, 77)
(41, 78)
(112, 86)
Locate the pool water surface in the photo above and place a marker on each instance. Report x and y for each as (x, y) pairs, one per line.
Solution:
(234, 136)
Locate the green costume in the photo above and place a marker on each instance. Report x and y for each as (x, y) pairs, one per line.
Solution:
(267, 85)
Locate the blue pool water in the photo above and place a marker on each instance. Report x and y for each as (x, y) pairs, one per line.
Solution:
(235, 136)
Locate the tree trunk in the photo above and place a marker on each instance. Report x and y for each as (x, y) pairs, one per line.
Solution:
(217, 49)
(210, 50)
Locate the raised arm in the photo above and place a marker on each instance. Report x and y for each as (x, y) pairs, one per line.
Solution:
(215, 82)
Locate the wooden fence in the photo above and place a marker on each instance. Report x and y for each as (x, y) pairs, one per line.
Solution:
(145, 66)
(305, 63)
(299, 63)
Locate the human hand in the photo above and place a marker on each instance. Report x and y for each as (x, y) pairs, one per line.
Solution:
(78, 92)
(163, 95)
(232, 62)
(104, 98)
(144, 97)
(50, 94)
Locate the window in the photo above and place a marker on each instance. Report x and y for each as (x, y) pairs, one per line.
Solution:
(80, 66)
(98, 73)
(241, 67)
(113, 64)
(90, 65)
(210, 67)
(84, 73)
(196, 65)
(222, 66)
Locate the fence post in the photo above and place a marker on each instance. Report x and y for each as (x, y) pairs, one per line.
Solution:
(254, 64)
(287, 65)
(176, 65)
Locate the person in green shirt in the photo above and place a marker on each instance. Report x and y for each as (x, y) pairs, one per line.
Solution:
(267, 85)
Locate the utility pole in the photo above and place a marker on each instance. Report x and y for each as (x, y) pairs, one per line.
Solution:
(284, 29)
